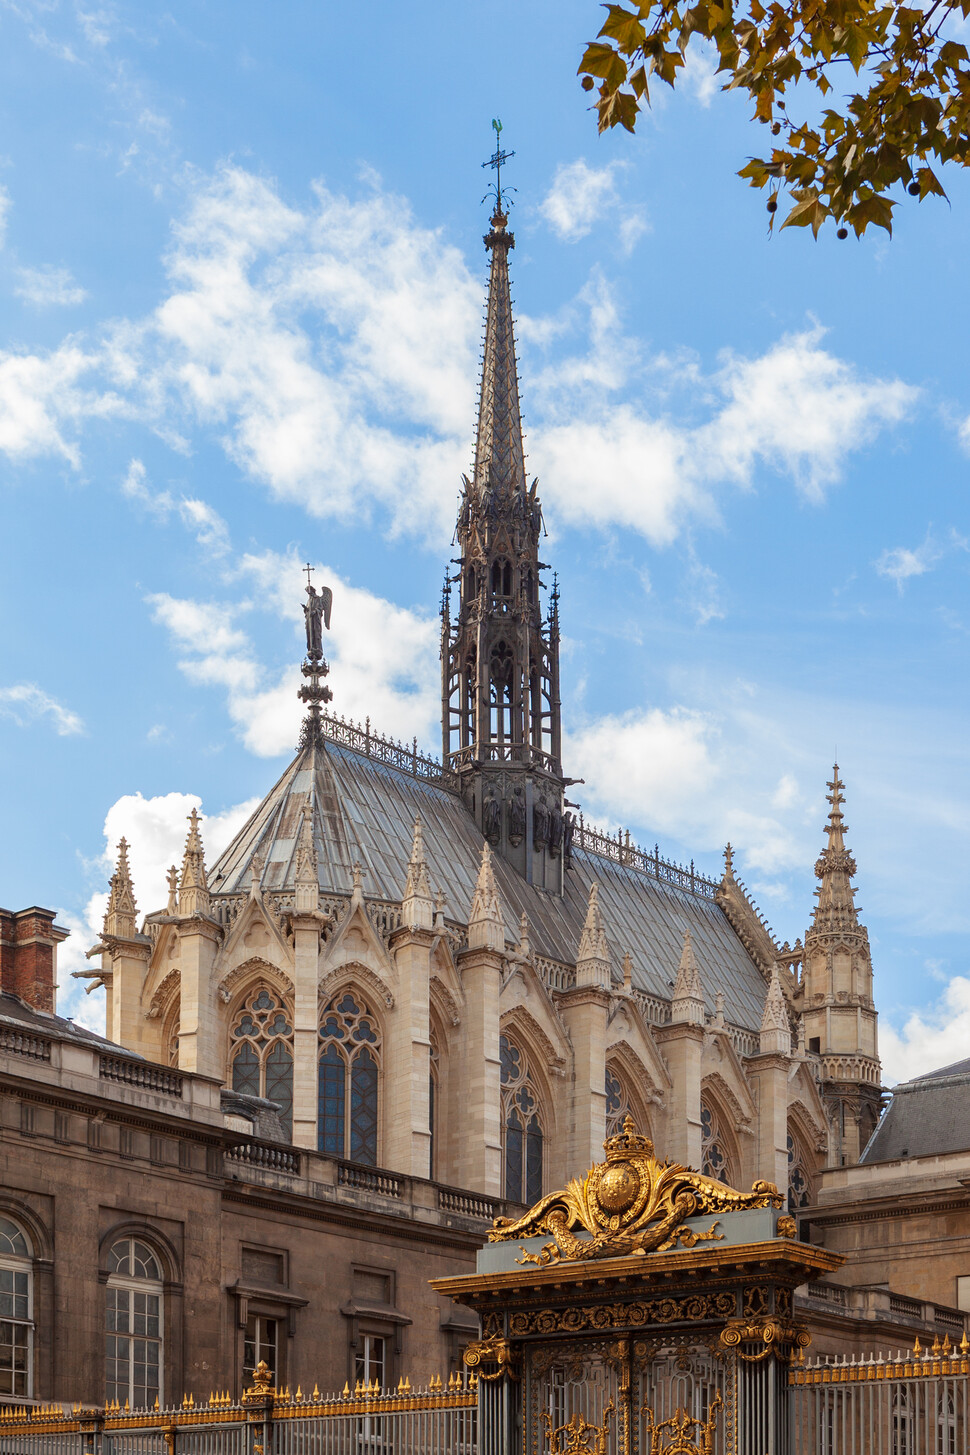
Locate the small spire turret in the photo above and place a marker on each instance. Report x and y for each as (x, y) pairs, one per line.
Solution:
(306, 881)
(688, 998)
(775, 1028)
(121, 913)
(418, 906)
(486, 927)
(193, 884)
(593, 961)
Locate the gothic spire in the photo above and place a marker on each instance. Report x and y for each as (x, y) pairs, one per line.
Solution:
(486, 930)
(775, 1033)
(306, 880)
(688, 997)
(193, 884)
(417, 903)
(499, 455)
(120, 916)
(835, 867)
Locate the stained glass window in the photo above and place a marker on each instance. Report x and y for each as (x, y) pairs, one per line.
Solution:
(799, 1182)
(262, 1052)
(617, 1102)
(133, 1325)
(16, 1311)
(715, 1159)
(350, 1069)
(522, 1126)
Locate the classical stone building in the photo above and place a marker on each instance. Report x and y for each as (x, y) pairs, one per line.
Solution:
(409, 994)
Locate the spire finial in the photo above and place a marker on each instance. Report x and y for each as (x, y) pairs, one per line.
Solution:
(316, 614)
(593, 960)
(173, 889)
(496, 162)
(417, 904)
(121, 914)
(193, 884)
(486, 928)
(688, 997)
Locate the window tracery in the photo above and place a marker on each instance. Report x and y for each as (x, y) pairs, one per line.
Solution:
(262, 1052)
(16, 1310)
(349, 1093)
(134, 1334)
(799, 1177)
(521, 1126)
(716, 1160)
(617, 1101)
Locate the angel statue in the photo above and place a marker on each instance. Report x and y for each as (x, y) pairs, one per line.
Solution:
(317, 612)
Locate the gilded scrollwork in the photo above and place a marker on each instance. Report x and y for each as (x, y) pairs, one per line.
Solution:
(495, 1351)
(577, 1436)
(676, 1436)
(631, 1203)
(780, 1337)
(694, 1308)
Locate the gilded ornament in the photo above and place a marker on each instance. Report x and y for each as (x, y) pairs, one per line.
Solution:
(786, 1227)
(578, 1436)
(495, 1350)
(676, 1435)
(774, 1336)
(630, 1204)
(262, 1384)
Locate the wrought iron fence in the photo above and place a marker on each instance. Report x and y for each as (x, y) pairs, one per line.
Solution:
(915, 1403)
(438, 1420)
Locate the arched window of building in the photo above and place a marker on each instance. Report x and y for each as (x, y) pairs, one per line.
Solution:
(799, 1176)
(501, 577)
(617, 1102)
(134, 1335)
(16, 1310)
(501, 692)
(262, 1052)
(521, 1126)
(350, 1065)
(716, 1159)
(433, 1074)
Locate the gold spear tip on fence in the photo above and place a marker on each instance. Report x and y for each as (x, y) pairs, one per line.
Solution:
(917, 1347)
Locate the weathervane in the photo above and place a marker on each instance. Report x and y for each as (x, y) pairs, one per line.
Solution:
(495, 161)
(316, 613)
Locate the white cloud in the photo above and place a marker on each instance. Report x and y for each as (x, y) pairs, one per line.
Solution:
(155, 829)
(41, 398)
(26, 702)
(208, 527)
(699, 75)
(382, 656)
(963, 433)
(930, 1039)
(49, 287)
(5, 205)
(578, 197)
(901, 563)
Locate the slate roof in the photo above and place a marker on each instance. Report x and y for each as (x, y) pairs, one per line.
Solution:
(364, 810)
(17, 1014)
(926, 1117)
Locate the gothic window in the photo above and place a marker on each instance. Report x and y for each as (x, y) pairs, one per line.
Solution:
(433, 1072)
(501, 692)
(799, 1181)
(16, 1311)
(715, 1157)
(522, 1127)
(617, 1102)
(262, 1052)
(133, 1325)
(501, 577)
(350, 1041)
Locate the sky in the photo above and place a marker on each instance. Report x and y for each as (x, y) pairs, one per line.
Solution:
(241, 288)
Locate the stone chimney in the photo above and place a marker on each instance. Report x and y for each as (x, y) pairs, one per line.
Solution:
(28, 955)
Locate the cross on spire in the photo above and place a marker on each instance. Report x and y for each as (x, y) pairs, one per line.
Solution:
(496, 162)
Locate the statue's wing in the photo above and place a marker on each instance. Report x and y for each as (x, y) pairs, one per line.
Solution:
(326, 596)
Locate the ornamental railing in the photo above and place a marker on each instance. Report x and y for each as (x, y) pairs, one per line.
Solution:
(916, 1403)
(439, 1419)
(361, 739)
(269, 1155)
(622, 850)
(22, 1043)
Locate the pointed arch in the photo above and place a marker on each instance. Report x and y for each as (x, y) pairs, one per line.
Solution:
(352, 972)
(525, 1115)
(234, 985)
(805, 1160)
(720, 1151)
(623, 1095)
(260, 1054)
(350, 1078)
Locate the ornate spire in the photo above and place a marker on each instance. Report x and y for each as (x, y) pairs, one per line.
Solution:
(417, 904)
(688, 998)
(836, 909)
(593, 965)
(628, 973)
(486, 928)
(193, 885)
(120, 916)
(316, 613)
(173, 891)
(775, 1025)
(499, 456)
(306, 881)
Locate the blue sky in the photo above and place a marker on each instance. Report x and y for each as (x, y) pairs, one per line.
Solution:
(241, 284)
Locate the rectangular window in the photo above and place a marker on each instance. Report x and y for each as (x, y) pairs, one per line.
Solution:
(132, 1347)
(261, 1344)
(15, 1341)
(369, 1360)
